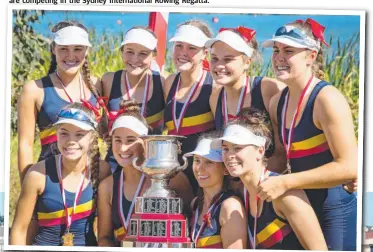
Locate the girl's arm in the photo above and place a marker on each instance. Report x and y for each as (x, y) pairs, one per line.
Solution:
(105, 225)
(27, 113)
(296, 209)
(233, 224)
(33, 185)
(270, 87)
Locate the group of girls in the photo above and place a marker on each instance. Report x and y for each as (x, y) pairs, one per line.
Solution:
(272, 162)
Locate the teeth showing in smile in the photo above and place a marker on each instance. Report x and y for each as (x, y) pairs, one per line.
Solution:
(281, 68)
(232, 164)
(182, 60)
(125, 156)
(203, 177)
(71, 63)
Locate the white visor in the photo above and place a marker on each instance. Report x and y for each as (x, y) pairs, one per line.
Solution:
(72, 35)
(191, 35)
(233, 40)
(141, 37)
(294, 37)
(204, 149)
(238, 134)
(131, 123)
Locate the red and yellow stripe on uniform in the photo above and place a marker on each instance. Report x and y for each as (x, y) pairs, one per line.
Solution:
(48, 136)
(192, 125)
(58, 218)
(120, 233)
(210, 242)
(273, 233)
(311, 146)
(155, 121)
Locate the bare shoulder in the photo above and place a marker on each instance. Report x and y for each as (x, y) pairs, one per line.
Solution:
(231, 204)
(105, 170)
(290, 202)
(273, 104)
(106, 185)
(270, 87)
(330, 95)
(35, 177)
(32, 88)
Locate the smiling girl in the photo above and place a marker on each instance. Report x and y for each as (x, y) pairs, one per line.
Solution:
(63, 188)
(314, 125)
(137, 81)
(232, 52)
(68, 81)
(187, 92)
(288, 222)
(216, 210)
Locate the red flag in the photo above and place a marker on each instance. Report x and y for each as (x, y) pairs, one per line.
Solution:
(158, 22)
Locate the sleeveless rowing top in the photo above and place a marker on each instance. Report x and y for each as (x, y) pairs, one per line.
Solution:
(210, 236)
(256, 101)
(154, 107)
(119, 232)
(198, 119)
(309, 150)
(273, 232)
(51, 213)
(47, 116)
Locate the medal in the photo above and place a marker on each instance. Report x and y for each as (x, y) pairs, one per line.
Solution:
(178, 121)
(287, 145)
(68, 238)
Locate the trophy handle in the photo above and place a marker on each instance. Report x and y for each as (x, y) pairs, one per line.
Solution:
(134, 161)
(184, 166)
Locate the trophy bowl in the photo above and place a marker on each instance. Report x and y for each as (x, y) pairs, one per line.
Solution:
(161, 163)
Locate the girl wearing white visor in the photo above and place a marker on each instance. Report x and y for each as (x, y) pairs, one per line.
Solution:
(317, 133)
(288, 221)
(232, 51)
(216, 209)
(63, 188)
(40, 101)
(187, 92)
(137, 81)
(118, 191)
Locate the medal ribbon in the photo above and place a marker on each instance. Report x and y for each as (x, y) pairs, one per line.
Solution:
(247, 205)
(177, 122)
(81, 87)
(240, 103)
(78, 193)
(203, 225)
(146, 92)
(124, 221)
(287, 145)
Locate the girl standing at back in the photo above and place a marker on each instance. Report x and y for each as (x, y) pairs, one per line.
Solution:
(187, 92)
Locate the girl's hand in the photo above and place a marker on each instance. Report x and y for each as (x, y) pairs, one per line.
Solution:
(351, 186)
(272, 188)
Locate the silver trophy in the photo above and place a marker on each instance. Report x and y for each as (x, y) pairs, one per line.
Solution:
(158, 220)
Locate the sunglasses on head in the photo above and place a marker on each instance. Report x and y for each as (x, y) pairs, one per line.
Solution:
(76, 115)
(291, 32)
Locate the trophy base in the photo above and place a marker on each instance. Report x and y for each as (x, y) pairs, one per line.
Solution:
(133, 244)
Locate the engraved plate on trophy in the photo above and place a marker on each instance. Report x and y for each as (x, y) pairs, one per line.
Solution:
(161, 206)
(146, 228)
(176, 228)
(174, 205)
(149, 205)
(133, 228)
(159, 228)
(139, 205)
